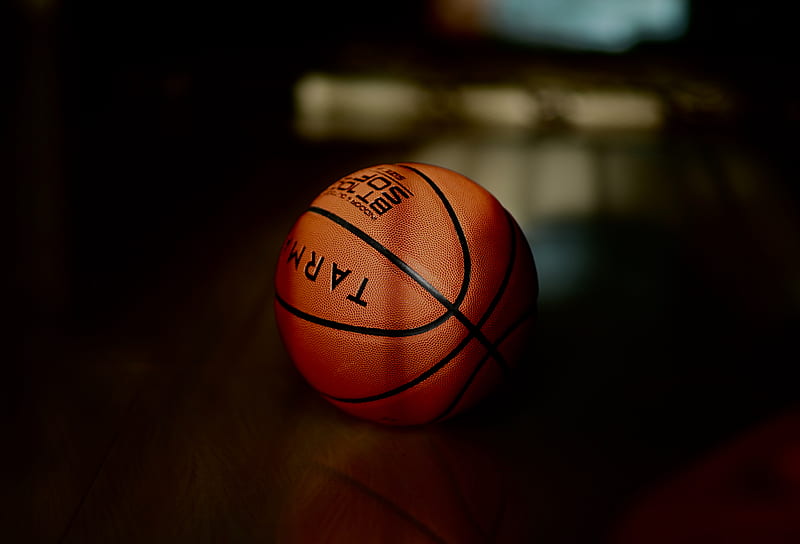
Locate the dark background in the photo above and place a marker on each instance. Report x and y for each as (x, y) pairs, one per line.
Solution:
(154, 166)
(147, 112)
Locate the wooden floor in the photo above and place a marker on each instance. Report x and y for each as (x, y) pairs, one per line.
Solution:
(152, 401)
(184, 420)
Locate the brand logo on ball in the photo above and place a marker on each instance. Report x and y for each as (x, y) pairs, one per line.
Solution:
(375, 192)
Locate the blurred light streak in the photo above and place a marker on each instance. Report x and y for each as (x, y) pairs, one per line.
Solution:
(566, 176)
(535, 181)
(566, 181)
(356, 106)
(563, 189)
(372, 106)
(539, 183)
(554, 183)
(621, 109)
(500, 105)
(504, 169)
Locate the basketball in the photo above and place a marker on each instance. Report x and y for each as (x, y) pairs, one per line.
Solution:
(405, 293)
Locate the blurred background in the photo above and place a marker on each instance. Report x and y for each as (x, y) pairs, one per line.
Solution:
(126, 118)
(159, 152)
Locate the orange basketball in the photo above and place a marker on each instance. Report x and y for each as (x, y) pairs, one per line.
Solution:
(405, 293)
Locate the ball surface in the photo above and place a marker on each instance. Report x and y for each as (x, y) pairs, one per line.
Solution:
(405, 293)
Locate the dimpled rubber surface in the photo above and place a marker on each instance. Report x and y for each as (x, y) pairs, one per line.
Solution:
(405, 293)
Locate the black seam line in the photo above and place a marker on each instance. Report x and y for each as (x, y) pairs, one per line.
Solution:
(374, 331)
(394, 259)
(449, 357)
(499, 295)
(396, 333)
(402, 265)
(522, 319)
(408, 385)
(462, 239)
(512, 260)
